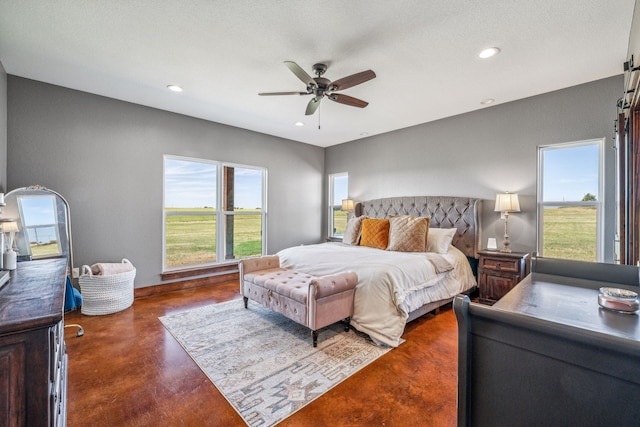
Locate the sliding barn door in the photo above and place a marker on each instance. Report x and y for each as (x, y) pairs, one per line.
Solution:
(628, 127)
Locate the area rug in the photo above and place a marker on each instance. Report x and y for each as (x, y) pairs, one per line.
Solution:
(265, 364)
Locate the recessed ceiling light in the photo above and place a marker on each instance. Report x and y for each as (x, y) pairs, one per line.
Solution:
(299, 124)
(488, 53)
(174, 88)
(487, 101)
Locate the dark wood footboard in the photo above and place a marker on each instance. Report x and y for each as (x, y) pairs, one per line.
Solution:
(547, 355)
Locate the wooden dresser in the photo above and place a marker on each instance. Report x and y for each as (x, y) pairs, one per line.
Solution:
(33, 363)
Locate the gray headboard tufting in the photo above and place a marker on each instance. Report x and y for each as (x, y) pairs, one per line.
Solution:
(445, 212)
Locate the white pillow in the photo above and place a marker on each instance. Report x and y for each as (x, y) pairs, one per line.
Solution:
(353, 230)
(439, 239)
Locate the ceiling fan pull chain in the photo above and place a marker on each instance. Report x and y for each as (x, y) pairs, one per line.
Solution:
(319, 116)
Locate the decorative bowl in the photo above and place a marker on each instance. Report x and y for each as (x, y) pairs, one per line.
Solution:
(619, 300)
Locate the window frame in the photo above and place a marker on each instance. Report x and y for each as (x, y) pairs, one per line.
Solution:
(598, 204)
(220, 215)
(330, 223)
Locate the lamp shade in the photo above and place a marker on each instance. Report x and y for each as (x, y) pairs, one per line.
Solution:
(347, 205)
(507, 202)
(8, 226)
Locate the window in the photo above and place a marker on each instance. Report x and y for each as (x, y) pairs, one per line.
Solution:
(213, 212)
(338, 190)
(570, 193)
(243, 211)
(39, 214)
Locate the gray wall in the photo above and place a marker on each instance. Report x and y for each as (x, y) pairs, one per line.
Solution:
(634, 37)
(3, 129)
(485, 152)
(106, 157)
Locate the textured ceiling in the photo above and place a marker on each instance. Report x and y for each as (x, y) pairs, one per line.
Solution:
(223, 53)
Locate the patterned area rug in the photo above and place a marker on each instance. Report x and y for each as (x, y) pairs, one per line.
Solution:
(265, 364)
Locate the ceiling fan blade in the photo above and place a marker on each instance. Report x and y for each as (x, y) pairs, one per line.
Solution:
(282, 93)
(348, 100)
(300, 73)
(312, 106)
(352, 80)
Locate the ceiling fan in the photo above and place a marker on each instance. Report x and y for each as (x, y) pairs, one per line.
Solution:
(320, 87)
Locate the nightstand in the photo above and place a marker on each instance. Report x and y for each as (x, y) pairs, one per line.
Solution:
(499, 272)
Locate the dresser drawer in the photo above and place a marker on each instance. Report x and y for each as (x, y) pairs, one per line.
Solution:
(58, 375)
(59, 397)
(55, 348)
(501, 264)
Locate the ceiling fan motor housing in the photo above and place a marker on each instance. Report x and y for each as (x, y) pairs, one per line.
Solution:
(322, 85)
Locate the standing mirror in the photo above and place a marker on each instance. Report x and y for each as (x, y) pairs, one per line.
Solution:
(43, 224)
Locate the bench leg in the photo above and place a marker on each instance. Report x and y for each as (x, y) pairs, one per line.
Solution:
(314, 336)
(246, 300)
(346, 322)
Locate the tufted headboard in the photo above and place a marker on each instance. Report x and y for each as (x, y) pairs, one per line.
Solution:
(445, 212)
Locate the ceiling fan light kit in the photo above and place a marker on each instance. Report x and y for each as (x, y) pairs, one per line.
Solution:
(321, 87)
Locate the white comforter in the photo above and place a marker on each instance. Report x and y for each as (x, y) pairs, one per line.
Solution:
(386, 281)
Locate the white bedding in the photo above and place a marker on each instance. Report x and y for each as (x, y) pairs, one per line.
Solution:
(388, 281)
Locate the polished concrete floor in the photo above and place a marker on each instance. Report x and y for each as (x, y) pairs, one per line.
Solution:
(127, 370)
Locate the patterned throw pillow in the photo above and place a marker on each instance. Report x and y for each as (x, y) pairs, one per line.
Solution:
(408, 233)
(375, 233)
(353, 230)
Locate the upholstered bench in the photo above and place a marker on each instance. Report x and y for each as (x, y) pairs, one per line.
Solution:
(314, 302)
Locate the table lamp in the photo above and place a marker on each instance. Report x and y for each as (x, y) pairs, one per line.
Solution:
(10, 256)
(506, 203)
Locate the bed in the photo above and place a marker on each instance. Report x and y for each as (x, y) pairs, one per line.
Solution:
(395, 287)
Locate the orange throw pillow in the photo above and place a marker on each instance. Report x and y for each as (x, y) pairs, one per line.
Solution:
(375, 233)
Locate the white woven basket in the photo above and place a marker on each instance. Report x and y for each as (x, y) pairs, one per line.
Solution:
(106, 294)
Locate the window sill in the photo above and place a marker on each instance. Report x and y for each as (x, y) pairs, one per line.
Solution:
(199, 271)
